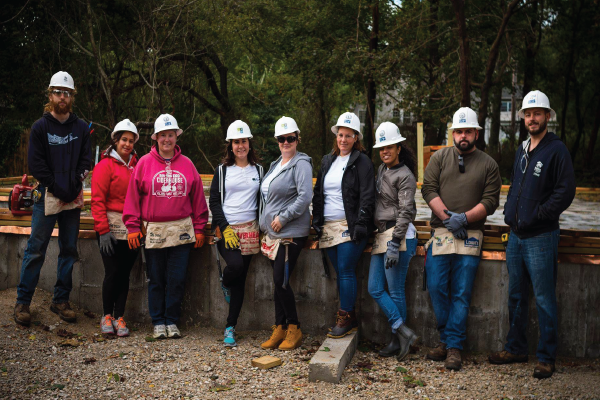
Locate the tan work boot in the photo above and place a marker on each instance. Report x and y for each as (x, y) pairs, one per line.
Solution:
(438, 353)
(293, 339)
(276, 338)
(505, 357)
(543, 370)
(64, 311)
(453, 360)
(22, 315)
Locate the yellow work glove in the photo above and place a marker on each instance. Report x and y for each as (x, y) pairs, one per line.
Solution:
(231, 238)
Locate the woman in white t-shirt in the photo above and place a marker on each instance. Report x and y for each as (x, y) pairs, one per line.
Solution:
(234, 203)
(343, 204)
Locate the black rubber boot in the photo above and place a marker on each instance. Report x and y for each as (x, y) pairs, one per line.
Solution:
(407, 338)
(392, 348)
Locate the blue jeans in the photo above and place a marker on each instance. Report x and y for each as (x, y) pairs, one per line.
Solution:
(344, 258)
(166, 272)
(394, 303)
(450, 280)
(533, 260)
(35, 253)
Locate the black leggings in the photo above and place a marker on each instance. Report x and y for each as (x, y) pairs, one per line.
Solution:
(234, 278)
(285, 302)
(116, 278)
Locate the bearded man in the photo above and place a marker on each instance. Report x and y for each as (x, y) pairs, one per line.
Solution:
(59, 157)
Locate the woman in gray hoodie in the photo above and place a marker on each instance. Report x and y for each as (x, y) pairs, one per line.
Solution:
(285, 222)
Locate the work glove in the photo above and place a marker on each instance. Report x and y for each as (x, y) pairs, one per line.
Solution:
(456, 221)
(360, 232)
(107, 242)
(199, 240)
(318, 231)
(231, 238)
(461, 234)
(134, 240)
(392, 255)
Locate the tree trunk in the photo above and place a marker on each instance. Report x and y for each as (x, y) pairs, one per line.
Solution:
(464, 54)
(580, 121)
(593, 137)
(325, 143)
(533, 39)
(371, 87)
(495, 126)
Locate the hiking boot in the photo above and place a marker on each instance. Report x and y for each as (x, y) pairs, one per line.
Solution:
(505, 357)
(226, 293)
(64, 311)
(392, 348)
(438, 353)
(293, 339)
(453, 360)
(229, 340)
(406, 338)
(22, 315)
(160, 332)
(106, 324)
(173, 332)
(543, 370)
(121, 327)
(276, 338)
(345, 323)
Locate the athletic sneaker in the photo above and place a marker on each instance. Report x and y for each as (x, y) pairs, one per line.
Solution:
(226, 293)
(160, 332)
(106, 324)
(173, 332)
(121, 328)
(229, 340)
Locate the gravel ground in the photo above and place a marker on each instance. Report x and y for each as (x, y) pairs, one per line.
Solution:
(38, 363)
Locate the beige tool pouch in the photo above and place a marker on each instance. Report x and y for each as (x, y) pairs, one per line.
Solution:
(53, 205)
(160, 235)
(270, 246)
(381, 240)
(116, 225)
(444, 242)
(334, 233)
(248, 233)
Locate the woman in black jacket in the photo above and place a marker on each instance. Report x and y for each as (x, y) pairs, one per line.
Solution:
(343, 204)
(234, 203)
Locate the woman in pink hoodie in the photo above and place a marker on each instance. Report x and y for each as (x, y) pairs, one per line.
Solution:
(165, 209)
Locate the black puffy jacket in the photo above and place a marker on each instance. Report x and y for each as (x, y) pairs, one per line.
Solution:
(358, 191)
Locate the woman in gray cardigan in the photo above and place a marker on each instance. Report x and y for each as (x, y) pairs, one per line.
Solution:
(285, 222)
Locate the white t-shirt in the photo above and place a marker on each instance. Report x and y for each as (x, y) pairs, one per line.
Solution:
(241, 186)
(264, 188)
(332, 190)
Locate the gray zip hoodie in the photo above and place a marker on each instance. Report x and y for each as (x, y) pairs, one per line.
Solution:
(289, 197)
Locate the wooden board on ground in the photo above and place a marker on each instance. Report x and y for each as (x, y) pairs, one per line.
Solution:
(266, 362)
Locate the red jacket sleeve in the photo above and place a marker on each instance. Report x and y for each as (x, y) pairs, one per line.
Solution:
(101, 179)
(132, 209)
(199, 207)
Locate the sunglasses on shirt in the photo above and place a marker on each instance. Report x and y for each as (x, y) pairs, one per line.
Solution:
(289, 139)
(58, 92)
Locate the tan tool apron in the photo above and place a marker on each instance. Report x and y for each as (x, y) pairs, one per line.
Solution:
(381, 240)
(444, 242)
(248, 233)
(116, 225)
(334, 233)
(53, 205)
(160, 235)
(270, 246)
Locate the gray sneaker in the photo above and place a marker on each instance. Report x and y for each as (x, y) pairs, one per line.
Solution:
(173, 332)
(106, 324)
(120, 327)
(160, 332)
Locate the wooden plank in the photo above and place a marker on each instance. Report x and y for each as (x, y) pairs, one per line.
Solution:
(266, 362)
(420, 150)
(450, 141)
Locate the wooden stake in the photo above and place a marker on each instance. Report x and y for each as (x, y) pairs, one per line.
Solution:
(450, 137)
(420, 149)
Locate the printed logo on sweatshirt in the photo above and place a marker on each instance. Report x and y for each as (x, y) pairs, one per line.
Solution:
(168, 183)
(538, 169)
(55, 140)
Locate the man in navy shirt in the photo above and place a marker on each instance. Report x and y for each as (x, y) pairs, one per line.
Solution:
(543, 186)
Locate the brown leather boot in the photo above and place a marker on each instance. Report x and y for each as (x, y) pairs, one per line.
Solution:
(64, 311)
(345, 323)
(293, 338)
(543, 370)
(505, 357)
(22, 315)
(276, 338)
(453, 360)
(438, 353)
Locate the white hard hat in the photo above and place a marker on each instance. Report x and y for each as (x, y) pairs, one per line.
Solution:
(349, 120)
(536, 99)
(126, 126)
(238, 130)
(387, 133)
(285, 125)
(165, 122)
(62, 79)
(465, 118)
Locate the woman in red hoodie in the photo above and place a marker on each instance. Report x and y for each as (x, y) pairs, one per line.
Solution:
(109, 187)
(165, 205)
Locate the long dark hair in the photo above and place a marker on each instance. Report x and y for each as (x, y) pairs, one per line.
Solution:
(114, 141)
(407, 156)
(229, 158)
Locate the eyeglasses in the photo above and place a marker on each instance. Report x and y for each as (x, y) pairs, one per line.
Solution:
(58, 92)
(461, 164)
(289, 139)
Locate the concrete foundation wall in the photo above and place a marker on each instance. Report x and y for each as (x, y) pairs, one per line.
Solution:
(578, 294)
